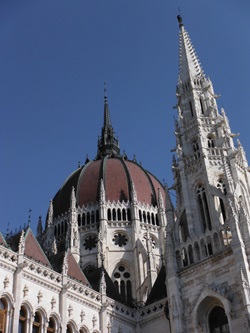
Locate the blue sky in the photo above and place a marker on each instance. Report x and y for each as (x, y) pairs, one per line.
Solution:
(54, 59)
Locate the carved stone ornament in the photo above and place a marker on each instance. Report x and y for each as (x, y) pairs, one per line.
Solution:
(25, 291)
(6, 282)
(39, 296)
(82, 315)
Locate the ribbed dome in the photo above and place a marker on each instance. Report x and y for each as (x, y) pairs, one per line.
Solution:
(117, 174)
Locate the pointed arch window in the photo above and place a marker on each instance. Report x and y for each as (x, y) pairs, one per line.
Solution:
(122, 280)
(201, 104)
(191, 108)
(37, 323)
(222, 187)
(22, 326)
(210, 142)
(218, 321)
(51, 326)
(203, 208)
(3, 315)
(196, 149)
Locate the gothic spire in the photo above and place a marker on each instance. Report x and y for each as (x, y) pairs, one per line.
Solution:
(107, 144)
(189, 65)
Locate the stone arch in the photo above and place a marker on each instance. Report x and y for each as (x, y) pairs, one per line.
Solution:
(205, 303)
(56, 317)
(6, 311)
(84, 329)
(42, 313)
(9, 299)
(71, 323)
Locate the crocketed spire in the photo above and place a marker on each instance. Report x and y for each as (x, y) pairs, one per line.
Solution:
(189, 65)
(107, 144)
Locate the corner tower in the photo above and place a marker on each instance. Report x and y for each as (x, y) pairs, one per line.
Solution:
(211, 233)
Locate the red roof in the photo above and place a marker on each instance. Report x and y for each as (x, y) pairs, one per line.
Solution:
(117, 174)
(33, 249)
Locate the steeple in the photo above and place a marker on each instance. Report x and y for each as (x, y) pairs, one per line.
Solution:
(107, 144)
(189, 65)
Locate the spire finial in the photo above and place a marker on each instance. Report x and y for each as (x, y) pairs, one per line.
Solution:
(105, 93)
(179, 18)
(107, 144)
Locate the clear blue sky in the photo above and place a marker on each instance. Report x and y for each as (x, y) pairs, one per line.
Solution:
(56, 55)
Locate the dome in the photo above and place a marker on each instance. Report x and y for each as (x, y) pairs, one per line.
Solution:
(117, 174)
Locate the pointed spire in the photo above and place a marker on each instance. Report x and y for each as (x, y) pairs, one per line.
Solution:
(102, 192)
(50, 213)
(39, 230)
(107, 144)
(189, 65)
(73, 199)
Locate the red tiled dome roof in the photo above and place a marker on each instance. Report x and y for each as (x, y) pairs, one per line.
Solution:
(117, 174)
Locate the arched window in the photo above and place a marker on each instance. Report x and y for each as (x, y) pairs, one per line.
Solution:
(153, 218)
(37, 323)
(122, 280)
(191, 108)
(184, 257)
(201, 104)
(209, 245)
(92, 217)
(157, 220)
(144, 216)
(124, 214)
(69, 329)
(140, 216)
(97, 216)
(203, 208)
(190, 254)
(197, 252)
(218, 322)
(210, 142)
(79, 220)
(88, 218)
(83, 218)
(3, 316)
(119, 215)
(114, 214)
(128, 214)
(222, 187)
(196, 149)
(22, 320)
(109, 214)
(51, 326)
(183, 227)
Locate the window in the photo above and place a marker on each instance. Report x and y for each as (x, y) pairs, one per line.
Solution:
(120, 239)
(3, 311)
(203, 208)
(210, 142)
(90, 242)
(69, 329)
(218, 322)
(51, 326)
(22, 320)
(201, 104)
(222, 187)
(191, 108)
(37, 323)
(196, 149)
(122, 281)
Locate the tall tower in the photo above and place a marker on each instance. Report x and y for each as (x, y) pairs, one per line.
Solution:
(211, 233)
